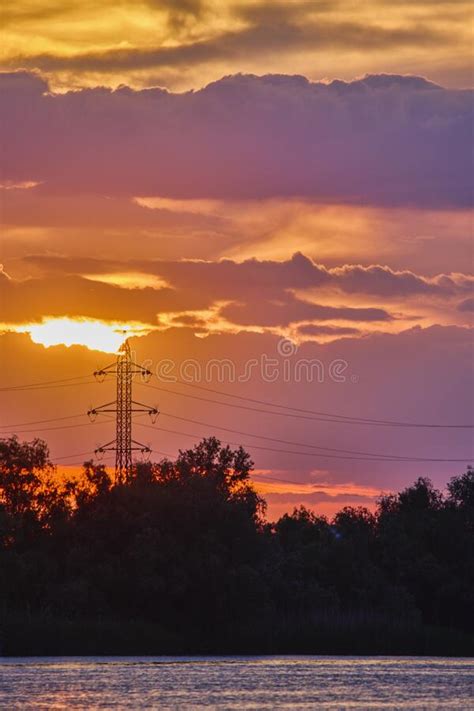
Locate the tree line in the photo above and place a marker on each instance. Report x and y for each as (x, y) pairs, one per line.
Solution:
(181, 559)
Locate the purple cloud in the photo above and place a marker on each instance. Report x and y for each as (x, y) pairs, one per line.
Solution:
(387, 140)
(466, 305)
(228, 279)
(312, 329)
(289, 309)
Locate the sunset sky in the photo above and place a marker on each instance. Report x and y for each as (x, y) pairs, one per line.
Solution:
(259, 182)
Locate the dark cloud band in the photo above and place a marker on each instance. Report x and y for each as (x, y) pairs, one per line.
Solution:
(384, 140)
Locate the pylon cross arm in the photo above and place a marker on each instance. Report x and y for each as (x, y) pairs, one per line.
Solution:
(143, 407)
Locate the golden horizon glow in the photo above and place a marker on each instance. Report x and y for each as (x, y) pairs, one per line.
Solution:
(93, 334)
(273, 486)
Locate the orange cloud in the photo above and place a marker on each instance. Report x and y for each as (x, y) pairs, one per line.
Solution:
(185, 44)
(325, 498)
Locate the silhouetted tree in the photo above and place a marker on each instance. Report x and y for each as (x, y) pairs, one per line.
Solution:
(184, 545)
(461, 489)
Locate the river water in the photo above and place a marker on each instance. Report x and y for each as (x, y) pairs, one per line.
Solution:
(236, 683)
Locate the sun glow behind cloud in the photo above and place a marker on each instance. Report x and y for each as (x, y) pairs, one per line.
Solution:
(129, 280)
(93, 334)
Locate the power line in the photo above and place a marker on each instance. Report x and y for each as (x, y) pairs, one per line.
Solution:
(336, 416)
(348, 421)
(298, 444)
(47, 387)
(370, 455)
(315, 414)
(71, 456)
(245, 434)
(345, 418)
(40, 422)
(165, 454)
(44, 383)
(60, 427)
(304, 454)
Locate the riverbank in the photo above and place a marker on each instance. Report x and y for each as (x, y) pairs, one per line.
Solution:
(333, 634)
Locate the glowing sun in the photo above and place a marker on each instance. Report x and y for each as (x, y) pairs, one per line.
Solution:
(93, 334)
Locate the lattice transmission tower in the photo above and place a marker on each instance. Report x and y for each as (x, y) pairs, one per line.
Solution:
(124, 368)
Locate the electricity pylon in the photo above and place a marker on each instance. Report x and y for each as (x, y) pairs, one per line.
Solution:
(123, 445)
